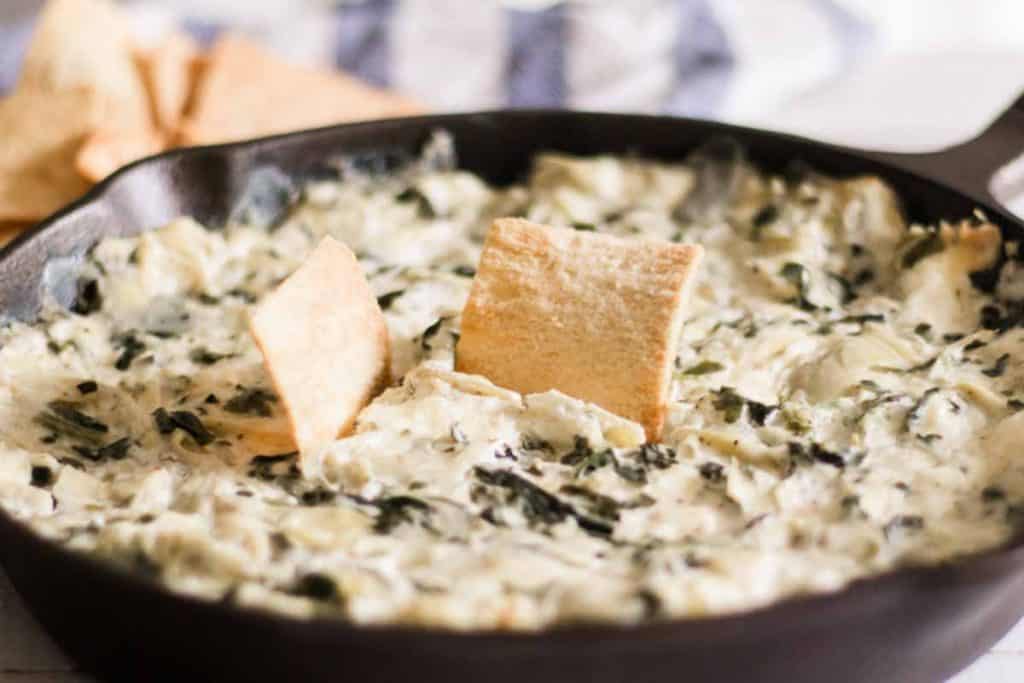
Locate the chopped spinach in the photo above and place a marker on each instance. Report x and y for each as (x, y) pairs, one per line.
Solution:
(993, 493)
(797, 275)
(130, 347)
(915, 410)
(926, 365)
(712, 472)
(729, 402)
(464, 271)
(87, 387)
(602, 505)
(800, 454)
(87, 298)
(69, 412)
(397, 510)
(908, 522)
(586, 460)
(423, 206)
(254, 401)
(539, 506)
(999, 368)
(115, 450)
(430, 332)
(385, 300)
(654, 455)
(317, 586)
(42, 476)
(706, 367)
(185, 421)
(862, 319)
(766, 215)
(203, 356)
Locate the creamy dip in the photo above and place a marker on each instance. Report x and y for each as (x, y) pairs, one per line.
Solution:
(846, 401)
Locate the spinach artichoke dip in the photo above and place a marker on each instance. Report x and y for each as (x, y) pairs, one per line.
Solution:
(846, 400)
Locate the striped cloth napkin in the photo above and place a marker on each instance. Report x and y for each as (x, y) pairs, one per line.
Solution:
(907, 74)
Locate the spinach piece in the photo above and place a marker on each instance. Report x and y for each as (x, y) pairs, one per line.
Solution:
(604, 506)
(317, 496)
(42, 476)
(87, 387)
(909, 522)
(706, 367)
(251, 402)
(397, 510)
(991, 494)
(131, 348)
(70, 413)
(914, 413)
(430, 332)
(586, 461)
(797, 275)
(185, 421)
(385, 300)
(87, 297)
(317, 586)
(800, 454)
(203, 356)
(901, 371)
(423, 206)
(729, 402)
(731, 405)
(539, 506)
(464, 271)
(115, 450)
(584, 227)
(654, 455)
(711, 472)
(999, 368)
(862, 319)
(766, 215)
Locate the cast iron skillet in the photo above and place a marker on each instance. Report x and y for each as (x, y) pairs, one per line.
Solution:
(911, 625)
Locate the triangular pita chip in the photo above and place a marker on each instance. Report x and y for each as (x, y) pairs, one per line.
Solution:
(594, 316)
(169, 71)
(78, 75)
(245, 92)
(106, 150)
(325, 344)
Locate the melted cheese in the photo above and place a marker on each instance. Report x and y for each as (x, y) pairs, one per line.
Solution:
(836, 411)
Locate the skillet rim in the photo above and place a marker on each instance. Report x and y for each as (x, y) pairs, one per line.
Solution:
(789, 613)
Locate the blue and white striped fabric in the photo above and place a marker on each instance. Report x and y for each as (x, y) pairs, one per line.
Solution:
(839, 69)
(678, 56)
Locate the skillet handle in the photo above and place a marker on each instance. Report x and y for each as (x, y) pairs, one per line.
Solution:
(970, 166)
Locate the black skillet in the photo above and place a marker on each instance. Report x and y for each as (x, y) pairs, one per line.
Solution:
(911, 625)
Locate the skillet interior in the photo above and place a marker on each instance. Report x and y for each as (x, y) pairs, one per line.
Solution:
(911, 625)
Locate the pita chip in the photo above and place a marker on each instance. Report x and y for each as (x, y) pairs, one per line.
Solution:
(594, 316)
(37, 157)
(78, 75)
(169, 71)
(245, 91)
(108, 149)
(325, 344)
